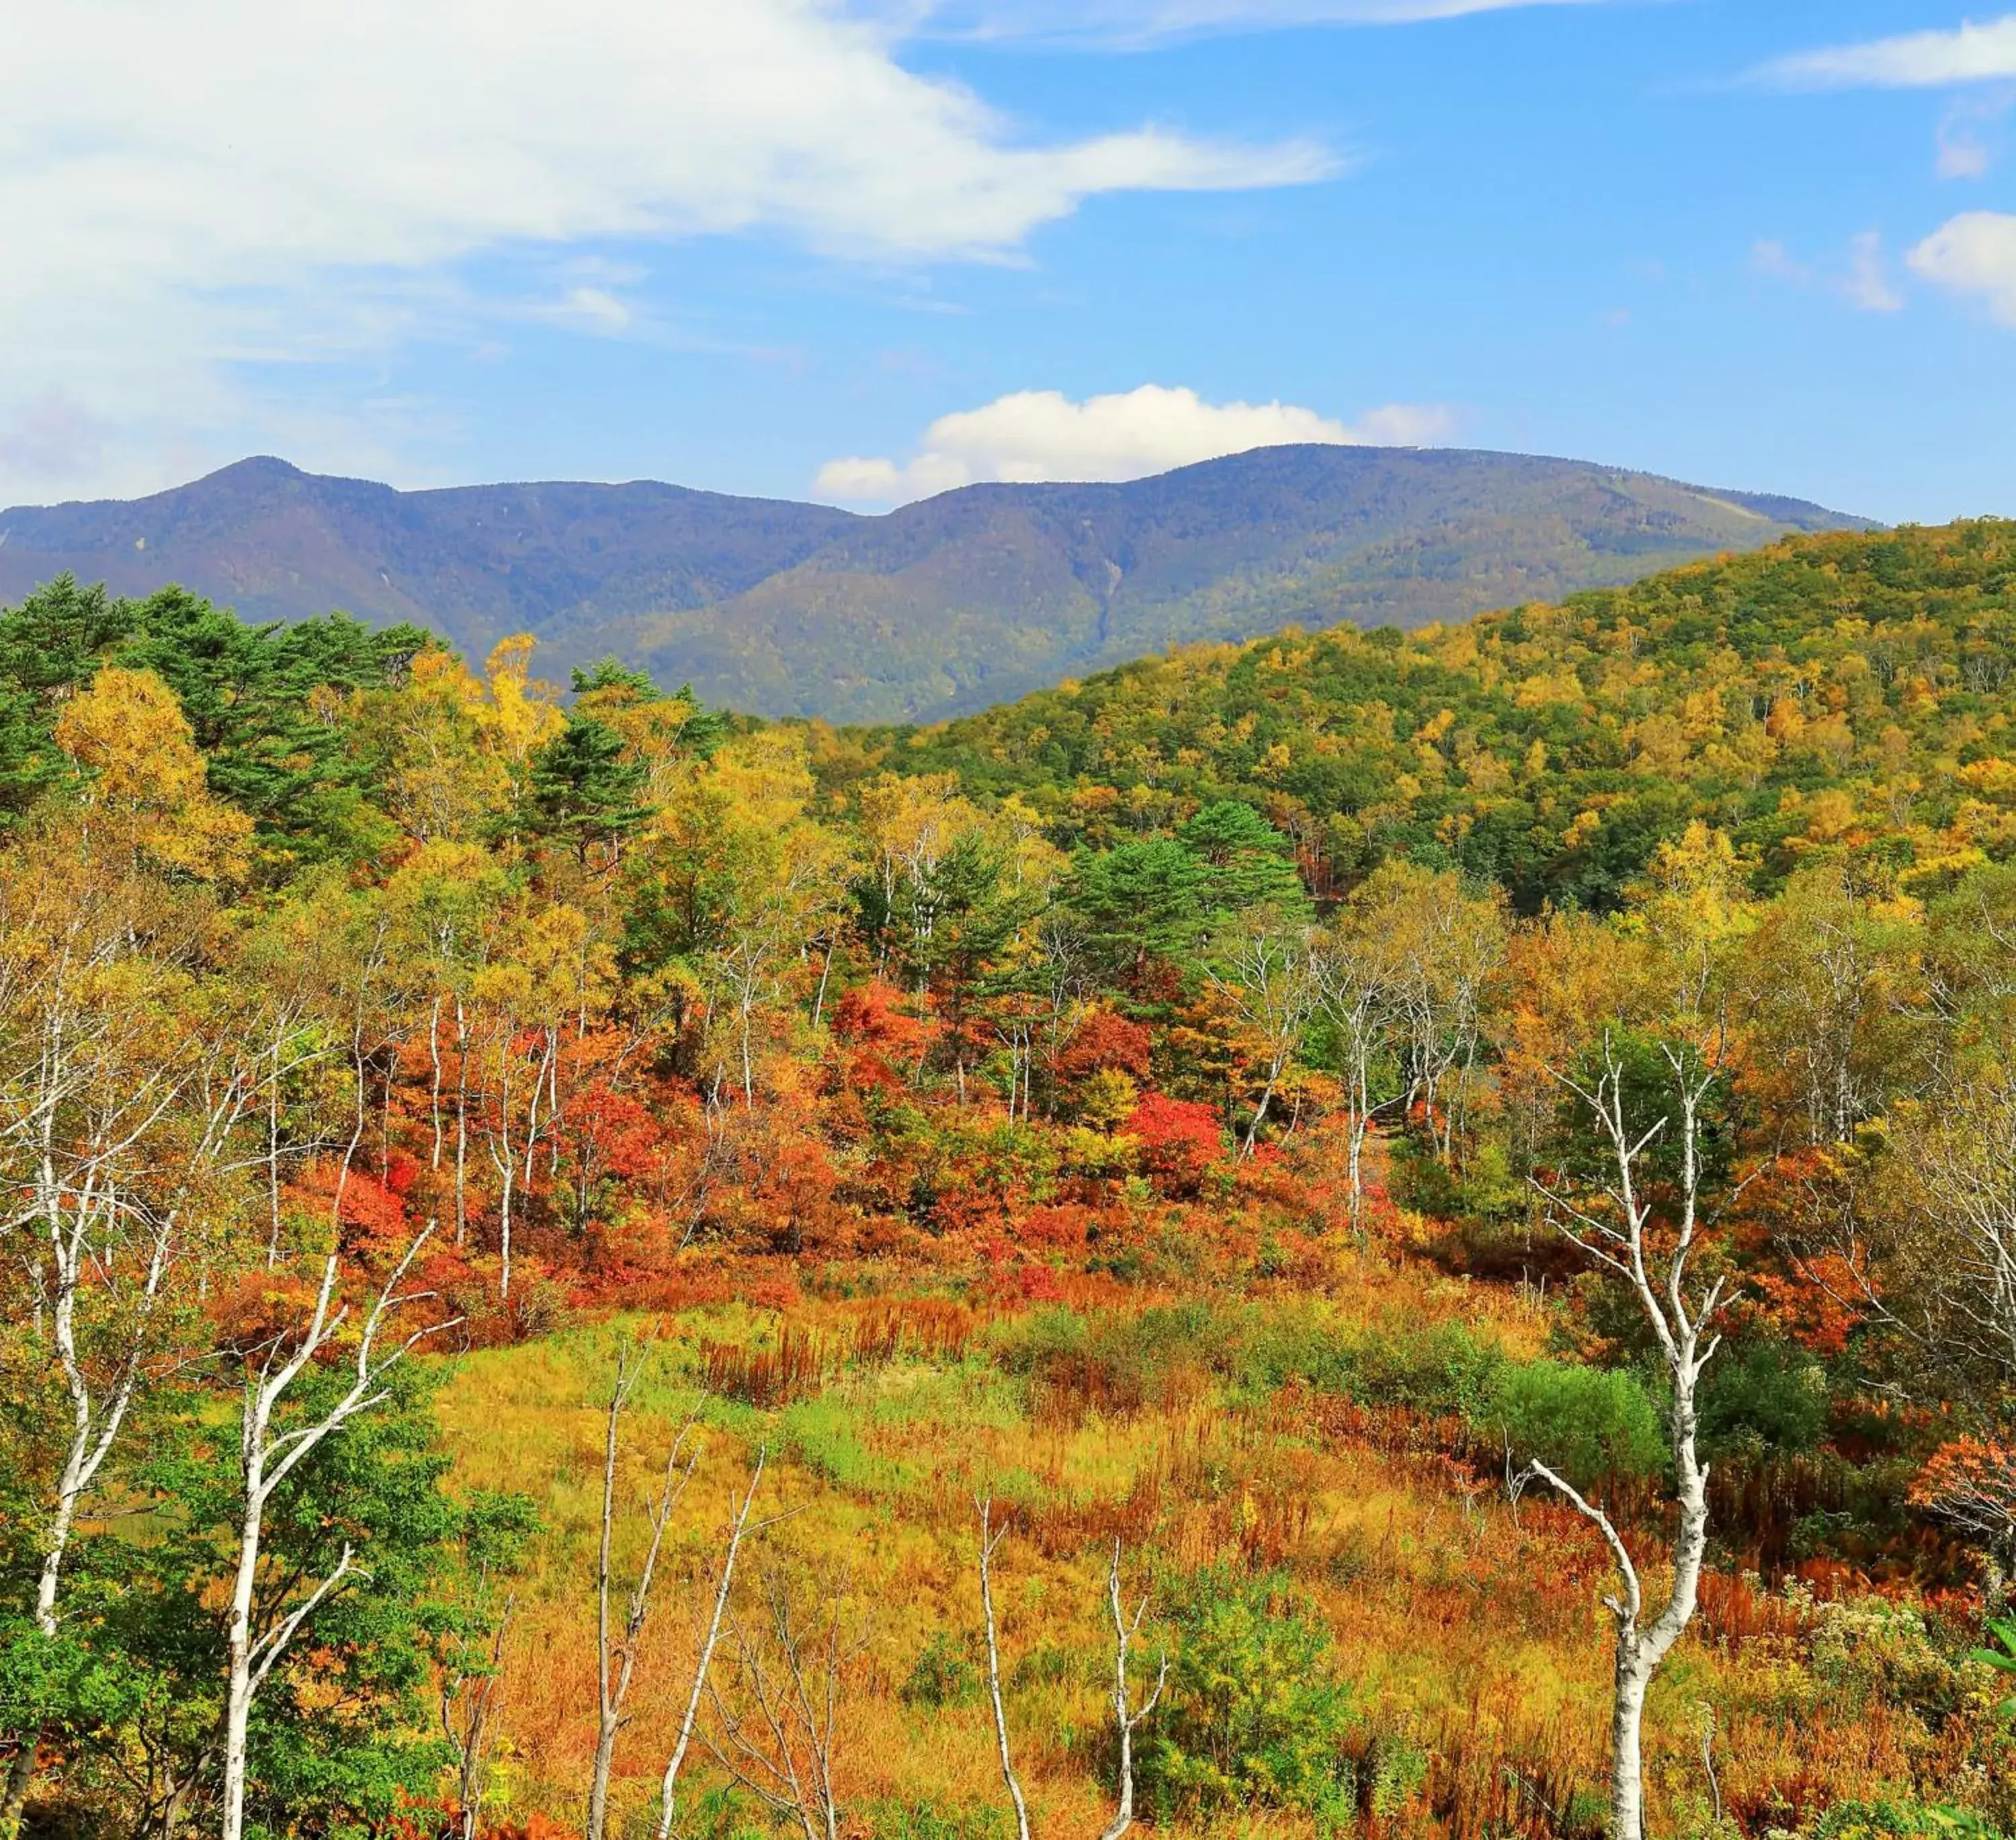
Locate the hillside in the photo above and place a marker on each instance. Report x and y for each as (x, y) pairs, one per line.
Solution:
(938, 607)
(1830, 690)
(551, 1180)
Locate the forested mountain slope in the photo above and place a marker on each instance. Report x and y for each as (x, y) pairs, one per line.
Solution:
(1830, 691)
(474, 563)
(939, 606)
(462, 1148)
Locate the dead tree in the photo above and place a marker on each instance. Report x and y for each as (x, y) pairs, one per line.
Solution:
(781, 1742)
(267, 1457)
(1126, 1716)
(669, 1785)
(465, 1723)
(1356, 994)
(991, 1538)
(617, 1655)
(1620, 1225)
(1270, 981)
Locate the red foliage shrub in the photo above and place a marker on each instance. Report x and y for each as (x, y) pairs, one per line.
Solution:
(1971, 1484)
(1179, 1139)
(885, 1038)
(1105, 1041)
(373, 1213)
(260, 1308)
(614, 1134)
(773, 1291)
(1064, 1229)
(400, 1171)
(774, 1187)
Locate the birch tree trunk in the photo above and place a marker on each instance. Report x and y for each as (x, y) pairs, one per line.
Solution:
(668, 1784)
(1616, 1226)
(616, 1657)
(267, 1457)
(1127, 1716)
(990, 1541)
(461, 1124)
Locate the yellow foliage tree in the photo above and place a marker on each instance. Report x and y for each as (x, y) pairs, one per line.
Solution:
(145, 789)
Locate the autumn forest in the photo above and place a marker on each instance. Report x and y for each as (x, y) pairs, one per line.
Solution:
(1405, 1234)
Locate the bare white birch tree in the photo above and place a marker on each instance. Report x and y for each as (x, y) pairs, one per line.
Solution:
(113, 1117)
(266, 1456)
(1455, 944)
(617, 1654)
(668, 1784)
(1618, 1221)
(780, 1737)
(991, 1538)
(1268, 975)
(1355, 992)
(503, 1151)
(1127, 1716)
(1961, 1158)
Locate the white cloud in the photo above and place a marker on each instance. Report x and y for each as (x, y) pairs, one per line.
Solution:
(189, 188)
(1975, 253)
(1962, 155)
(1128, 23)
(1866, 284)
(1042, 434)
(1770, 257)
(1971, 134)
(1968, 53)
(1863, 280)
(51, 433)
(592, 309)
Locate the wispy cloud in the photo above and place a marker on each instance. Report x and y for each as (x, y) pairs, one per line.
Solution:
(1042, 434)
(1129, 24)
(1942, 59)
(1866, 284)
(1971, 134)
(1862, 278)
(190, 190)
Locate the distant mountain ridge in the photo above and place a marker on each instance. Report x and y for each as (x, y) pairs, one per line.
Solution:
(934, 609)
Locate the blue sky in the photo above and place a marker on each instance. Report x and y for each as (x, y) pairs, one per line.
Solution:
(778, 247)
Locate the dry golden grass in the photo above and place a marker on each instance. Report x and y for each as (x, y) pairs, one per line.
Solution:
(1475, 1633)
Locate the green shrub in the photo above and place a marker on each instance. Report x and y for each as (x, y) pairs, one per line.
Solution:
(927, 1820)
(1394, 1769)
(1028, 1344)
(943, 1675)
(1587, 1422)
(1897, 1820)
(1253, 1714)
(1440, 1371)
(1046, 1665)
(820, 1434)
(1765, 1397)
(724, 1812)
(1120, 1357)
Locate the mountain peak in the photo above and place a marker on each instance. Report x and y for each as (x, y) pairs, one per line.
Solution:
(257, 466)
(972, 597)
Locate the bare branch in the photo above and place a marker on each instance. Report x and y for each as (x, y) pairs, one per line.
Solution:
(670, 1781)
(990, 1540)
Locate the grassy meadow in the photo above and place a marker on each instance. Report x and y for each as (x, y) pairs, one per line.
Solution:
(1206, 1428)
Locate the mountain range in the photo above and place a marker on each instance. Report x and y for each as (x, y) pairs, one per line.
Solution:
(938, 608)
